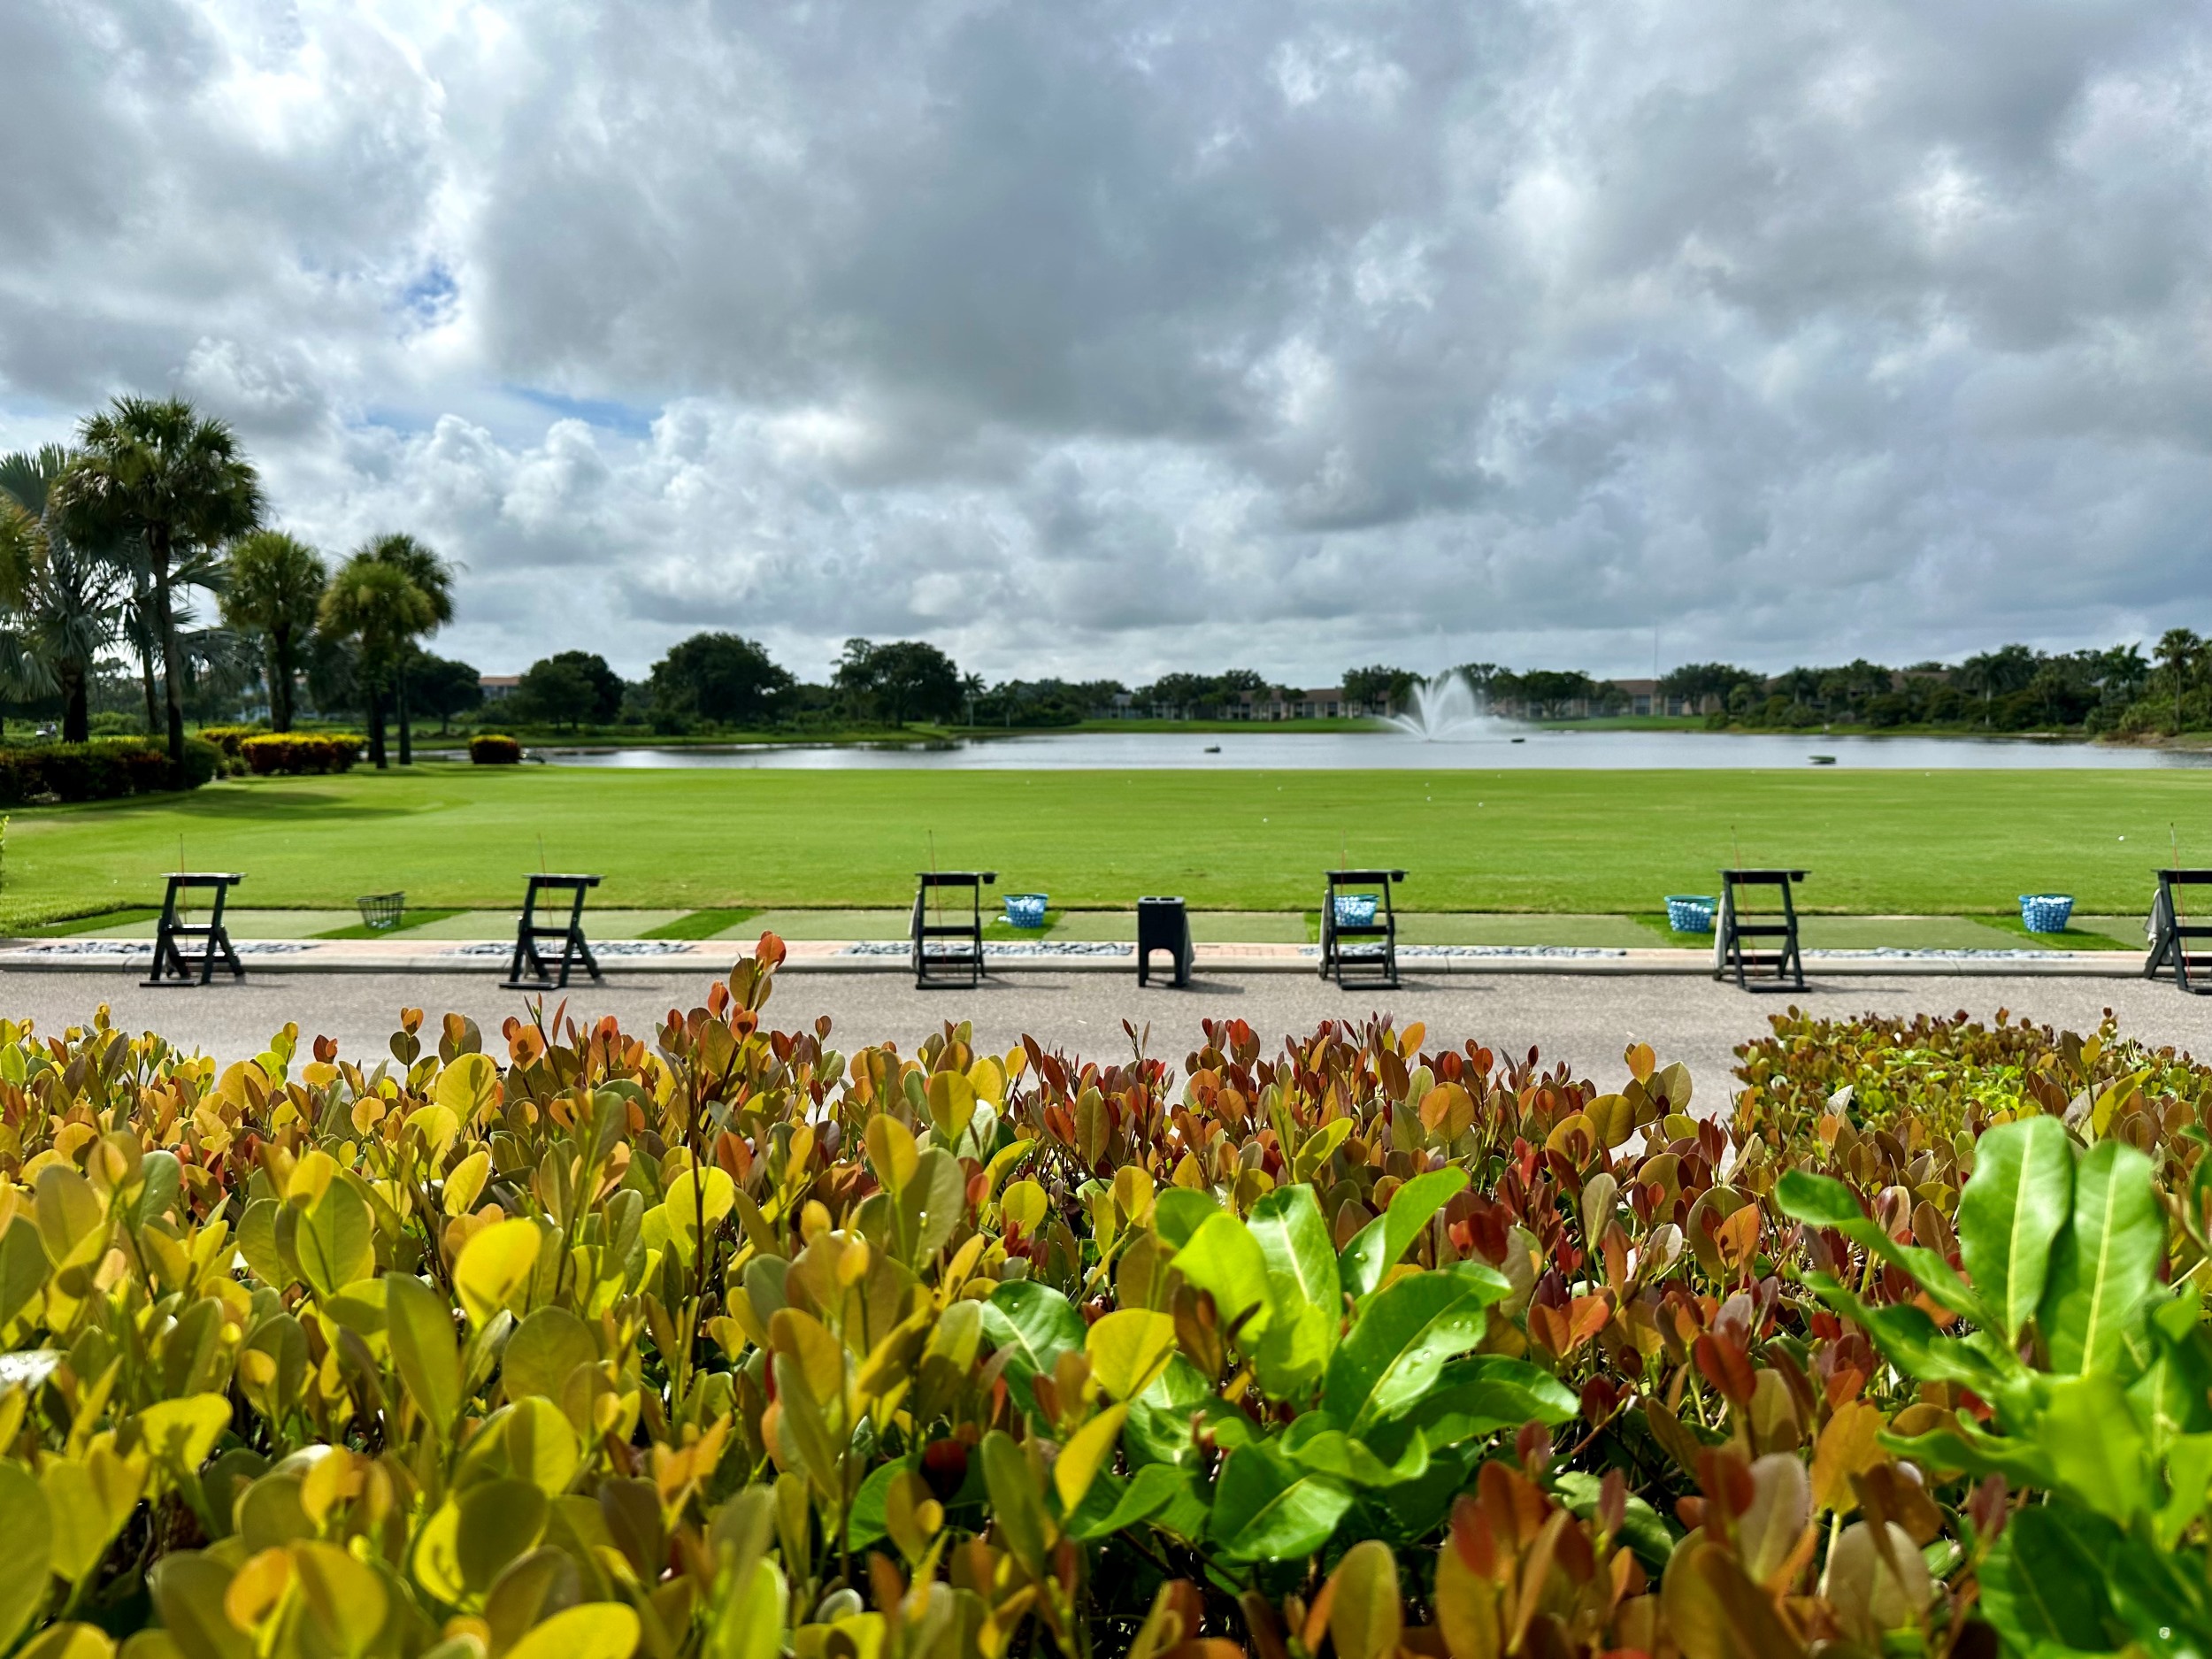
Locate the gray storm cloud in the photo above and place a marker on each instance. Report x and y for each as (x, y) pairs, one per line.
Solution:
(1113, 337)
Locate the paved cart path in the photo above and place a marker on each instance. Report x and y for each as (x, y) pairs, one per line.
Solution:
(1583, 1019)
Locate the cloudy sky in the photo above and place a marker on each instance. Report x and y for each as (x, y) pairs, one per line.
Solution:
(1109, 336)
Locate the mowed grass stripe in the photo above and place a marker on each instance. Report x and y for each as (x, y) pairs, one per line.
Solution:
(1572, 841)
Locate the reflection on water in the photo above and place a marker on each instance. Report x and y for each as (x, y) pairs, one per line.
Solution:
(1498, 746)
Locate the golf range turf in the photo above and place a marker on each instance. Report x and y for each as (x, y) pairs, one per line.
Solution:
(1550, 842)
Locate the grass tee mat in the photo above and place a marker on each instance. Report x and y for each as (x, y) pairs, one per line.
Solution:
(1586, 844)
(710, 1342)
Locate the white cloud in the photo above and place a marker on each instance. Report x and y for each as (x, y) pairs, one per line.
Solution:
(1111, 338)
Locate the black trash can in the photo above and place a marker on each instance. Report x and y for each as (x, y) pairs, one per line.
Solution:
(1162, 924)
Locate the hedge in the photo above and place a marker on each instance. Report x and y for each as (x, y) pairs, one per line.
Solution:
(229, 738)
(491, 749)
(102, 770)
(713, 1342)
(293, 752)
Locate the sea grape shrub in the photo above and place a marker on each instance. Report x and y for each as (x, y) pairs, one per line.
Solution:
(1954, 1073)
(713, 1340)
(288, 754)
(489, 748)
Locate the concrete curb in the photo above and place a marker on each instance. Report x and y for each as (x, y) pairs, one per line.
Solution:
(828, 957)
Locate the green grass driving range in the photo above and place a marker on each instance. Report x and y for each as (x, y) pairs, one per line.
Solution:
(1561, 841)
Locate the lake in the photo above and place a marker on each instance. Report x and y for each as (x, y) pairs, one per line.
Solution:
(1498, 747)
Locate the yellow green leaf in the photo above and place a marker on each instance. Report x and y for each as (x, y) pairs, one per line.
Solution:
(495, 1267)
(468, 1086)
(1366, 1619)
(335, 1240)
(178, 1434)
(1087, 1452)
(597, 1630)
(69, 1641)
(345, 1598)
(1128, 1349)
(465, 1181)
(892, 1150)
(25, 1542)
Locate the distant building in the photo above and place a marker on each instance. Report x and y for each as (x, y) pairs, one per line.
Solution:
(498, 688)
(1644, 698)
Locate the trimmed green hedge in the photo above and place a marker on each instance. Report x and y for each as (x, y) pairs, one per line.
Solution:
(297, 752)
(102, 770)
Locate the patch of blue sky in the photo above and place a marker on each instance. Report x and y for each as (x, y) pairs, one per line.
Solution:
(405, 421)
(632, 420)
(431, 297)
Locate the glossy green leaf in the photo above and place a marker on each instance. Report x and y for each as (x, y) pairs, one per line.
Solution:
(1267, 1507)
(2043, 1584)
(2093, 1446)
(2020, 1197)
(2106, 1262)
(1488, 1395)
(1315, 1443)
(1179, 1211)
(1826, 1203)
(1306, 1297)
(1034, 1324)
(1225, 1260)
(1403, 1336)
(1643, 1529)
(1113, 1506)
(1377, 1247)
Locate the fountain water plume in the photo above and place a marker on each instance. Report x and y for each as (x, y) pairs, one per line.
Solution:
(1447, 709)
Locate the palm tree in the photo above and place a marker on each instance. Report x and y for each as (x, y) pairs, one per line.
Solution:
(375, 606)
(158, 471)
(276, 586)
(434, 578)
(2180, 653)
(67, 597)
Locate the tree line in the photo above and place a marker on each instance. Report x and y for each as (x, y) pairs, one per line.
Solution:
(105, 542)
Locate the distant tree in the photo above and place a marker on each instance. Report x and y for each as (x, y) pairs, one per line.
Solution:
(445, 688)
(2181, 654)
(67, 598)
(569, 688)
(376, 606)
(1693, 682)
(333, 673)
(1390, 688)
(161, 474)
(1996, 673)
(276, 590)
(908, 679)
(724, 678)
(434, 578)
(555, 691)
(1186, 693)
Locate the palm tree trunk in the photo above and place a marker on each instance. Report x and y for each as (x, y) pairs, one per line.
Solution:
(280, 681)
(406, 726)
(146, 683)
(376, 729)
(165, 629)
(76, 715)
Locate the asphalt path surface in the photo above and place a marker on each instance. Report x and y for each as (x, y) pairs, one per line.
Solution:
(1586, 1019)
